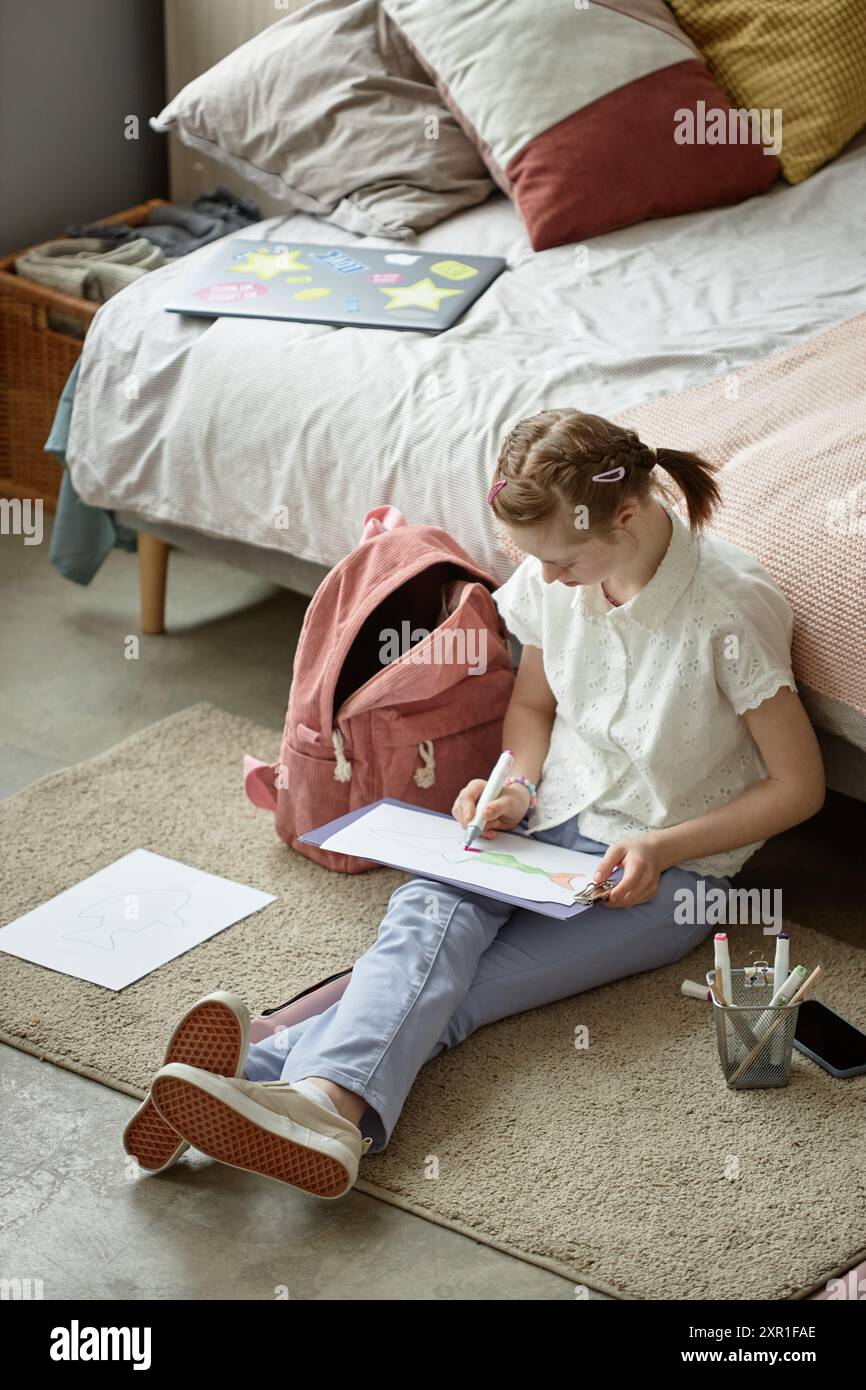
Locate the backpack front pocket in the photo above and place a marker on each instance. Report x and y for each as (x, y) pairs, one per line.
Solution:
(427, 755)
(309, 795)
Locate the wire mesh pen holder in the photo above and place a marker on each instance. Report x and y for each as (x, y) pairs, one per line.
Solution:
(755, 1042)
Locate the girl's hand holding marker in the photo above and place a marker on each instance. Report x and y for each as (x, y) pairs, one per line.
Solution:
(491, 791)
(483, 807)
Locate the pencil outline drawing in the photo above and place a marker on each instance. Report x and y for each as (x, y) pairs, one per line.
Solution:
(96, 934)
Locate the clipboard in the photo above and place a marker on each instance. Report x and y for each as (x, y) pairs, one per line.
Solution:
(591, 894)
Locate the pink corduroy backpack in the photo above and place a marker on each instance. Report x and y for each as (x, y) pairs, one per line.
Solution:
(401, 680)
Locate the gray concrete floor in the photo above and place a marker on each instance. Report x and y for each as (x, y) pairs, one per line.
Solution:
(72, 1210)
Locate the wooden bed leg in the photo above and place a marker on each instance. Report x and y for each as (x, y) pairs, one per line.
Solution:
(152, 567)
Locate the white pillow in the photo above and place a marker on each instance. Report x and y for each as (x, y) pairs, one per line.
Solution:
(329, 112)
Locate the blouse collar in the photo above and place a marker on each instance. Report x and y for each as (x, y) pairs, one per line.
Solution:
(653, 603)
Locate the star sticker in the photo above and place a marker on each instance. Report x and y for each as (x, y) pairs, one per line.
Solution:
(422, 295)
(266, 265)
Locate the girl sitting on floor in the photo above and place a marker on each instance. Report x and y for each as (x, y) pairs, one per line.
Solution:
(655, 723)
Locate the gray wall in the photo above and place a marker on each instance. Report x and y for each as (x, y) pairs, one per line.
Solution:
(70, 72)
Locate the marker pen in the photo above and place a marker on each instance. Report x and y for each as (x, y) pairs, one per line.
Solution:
(781, 963)
(724, 991)
(723, 968)
(495, 783)
(692, 990)
(785, 992)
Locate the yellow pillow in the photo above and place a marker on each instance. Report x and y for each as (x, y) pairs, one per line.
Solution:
(804, 57)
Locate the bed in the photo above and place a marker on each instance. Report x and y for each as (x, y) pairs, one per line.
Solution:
(264, 443)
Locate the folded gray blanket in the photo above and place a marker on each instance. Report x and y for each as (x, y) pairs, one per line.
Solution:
(177, 230)
(90, 267)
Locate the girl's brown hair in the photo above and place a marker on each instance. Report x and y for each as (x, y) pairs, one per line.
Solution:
(552, 460)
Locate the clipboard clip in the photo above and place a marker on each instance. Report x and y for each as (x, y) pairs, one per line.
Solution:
(594, 891)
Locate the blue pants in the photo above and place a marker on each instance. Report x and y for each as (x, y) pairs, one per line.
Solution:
(446, 962)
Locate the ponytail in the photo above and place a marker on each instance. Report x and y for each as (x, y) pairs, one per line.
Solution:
(695, 479)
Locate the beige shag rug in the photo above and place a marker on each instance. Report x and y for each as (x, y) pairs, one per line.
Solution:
(612, 1167)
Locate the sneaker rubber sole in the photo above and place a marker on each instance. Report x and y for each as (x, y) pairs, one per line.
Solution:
(211, 1036)
(225, 1133)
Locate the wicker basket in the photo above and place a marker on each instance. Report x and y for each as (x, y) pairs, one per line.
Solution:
(35, 362)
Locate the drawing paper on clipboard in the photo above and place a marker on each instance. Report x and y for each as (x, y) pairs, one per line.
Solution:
(512, 867)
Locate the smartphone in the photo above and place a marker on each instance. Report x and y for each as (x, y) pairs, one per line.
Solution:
(830, 1040)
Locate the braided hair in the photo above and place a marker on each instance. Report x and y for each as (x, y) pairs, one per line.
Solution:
(562, 459)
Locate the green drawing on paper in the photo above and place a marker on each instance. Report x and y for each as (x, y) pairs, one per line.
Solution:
(495, 858)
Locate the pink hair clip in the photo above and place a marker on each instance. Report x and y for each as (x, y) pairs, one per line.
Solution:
(497, 487)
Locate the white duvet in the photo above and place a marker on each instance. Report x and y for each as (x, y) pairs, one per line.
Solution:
(283, 435)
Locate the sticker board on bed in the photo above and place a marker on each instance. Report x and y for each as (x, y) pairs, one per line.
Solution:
(364, 288)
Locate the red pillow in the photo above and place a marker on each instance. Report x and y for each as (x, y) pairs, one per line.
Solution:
(591, 117)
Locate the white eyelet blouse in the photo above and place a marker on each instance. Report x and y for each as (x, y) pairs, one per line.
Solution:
(650, 695)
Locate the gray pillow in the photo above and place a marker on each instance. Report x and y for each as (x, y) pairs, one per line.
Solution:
(329, 112)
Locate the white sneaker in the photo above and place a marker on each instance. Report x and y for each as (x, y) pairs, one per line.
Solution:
(213, 1035)
(265, 1127)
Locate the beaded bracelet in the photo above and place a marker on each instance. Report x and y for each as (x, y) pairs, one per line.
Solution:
(531, 788)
